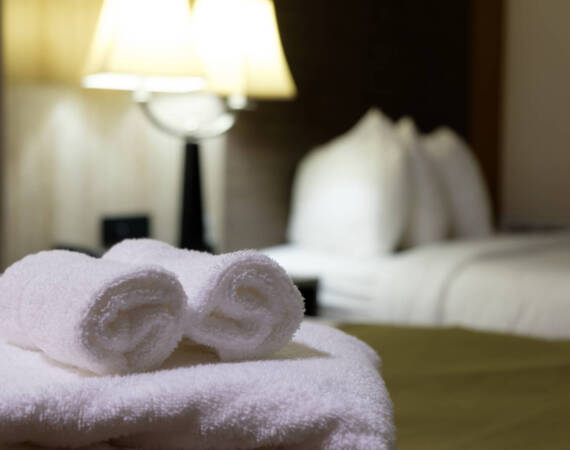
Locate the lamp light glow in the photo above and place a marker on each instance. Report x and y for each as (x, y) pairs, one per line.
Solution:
(240, 48)
(133, 82)
(163, 46)
(144, 44)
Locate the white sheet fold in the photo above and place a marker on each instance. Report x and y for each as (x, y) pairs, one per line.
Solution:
(241, 304)
(514, 283)
(98, 315)
(323, 390)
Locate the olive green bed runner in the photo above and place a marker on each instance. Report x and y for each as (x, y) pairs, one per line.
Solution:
(459, 389)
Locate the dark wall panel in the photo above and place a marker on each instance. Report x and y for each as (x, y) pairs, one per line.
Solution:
(408, 57)
(486, 51)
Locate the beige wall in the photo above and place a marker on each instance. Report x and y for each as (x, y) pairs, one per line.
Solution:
(47, 40)
(536, 120)
(74, 155)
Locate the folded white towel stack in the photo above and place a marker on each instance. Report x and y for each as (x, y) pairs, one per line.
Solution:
(103, 316)
(241, 304)
(322, 390)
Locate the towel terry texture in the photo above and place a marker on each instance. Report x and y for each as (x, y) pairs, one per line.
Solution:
(322, 390)
(102, 316)
(241, 304)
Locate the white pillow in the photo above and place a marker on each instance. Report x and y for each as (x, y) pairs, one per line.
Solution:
(349, 195)
(427, 217)
(464, 187)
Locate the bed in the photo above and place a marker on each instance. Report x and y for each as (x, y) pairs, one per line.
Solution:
(397, 227)
(473, 326)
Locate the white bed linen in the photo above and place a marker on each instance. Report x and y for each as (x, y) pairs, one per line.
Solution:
(534, 287)
(345, 284)
(510, 283)
(357, 181)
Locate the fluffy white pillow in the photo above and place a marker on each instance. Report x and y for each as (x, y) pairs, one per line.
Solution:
(427, 216)
(464, 187)
(349, 195)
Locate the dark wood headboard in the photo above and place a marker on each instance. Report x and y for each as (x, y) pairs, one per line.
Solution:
(437, 61)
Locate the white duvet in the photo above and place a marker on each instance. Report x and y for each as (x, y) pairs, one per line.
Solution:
(508, 283)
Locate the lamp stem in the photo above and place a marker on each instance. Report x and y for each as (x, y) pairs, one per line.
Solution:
(191, 225)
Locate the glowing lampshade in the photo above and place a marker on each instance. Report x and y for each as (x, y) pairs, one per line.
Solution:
(240, 49)
(144, 45)
(230, 47)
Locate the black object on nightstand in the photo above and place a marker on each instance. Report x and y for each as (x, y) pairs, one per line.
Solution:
(308, 287)
(115, 229)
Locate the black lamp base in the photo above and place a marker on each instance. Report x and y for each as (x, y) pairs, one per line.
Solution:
(191, 224)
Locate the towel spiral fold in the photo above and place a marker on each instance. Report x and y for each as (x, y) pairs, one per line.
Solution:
(241, 304)
(103, 316)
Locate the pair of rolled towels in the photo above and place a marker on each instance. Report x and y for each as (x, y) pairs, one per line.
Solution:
(127, 311)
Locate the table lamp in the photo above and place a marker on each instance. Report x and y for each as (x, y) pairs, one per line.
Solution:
(230, 48)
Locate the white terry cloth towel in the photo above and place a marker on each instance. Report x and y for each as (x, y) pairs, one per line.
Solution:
(322, 390)
(242, 304)
(102, 316)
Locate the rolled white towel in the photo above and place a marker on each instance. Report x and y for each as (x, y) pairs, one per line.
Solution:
(241, 304)
(100, 315)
